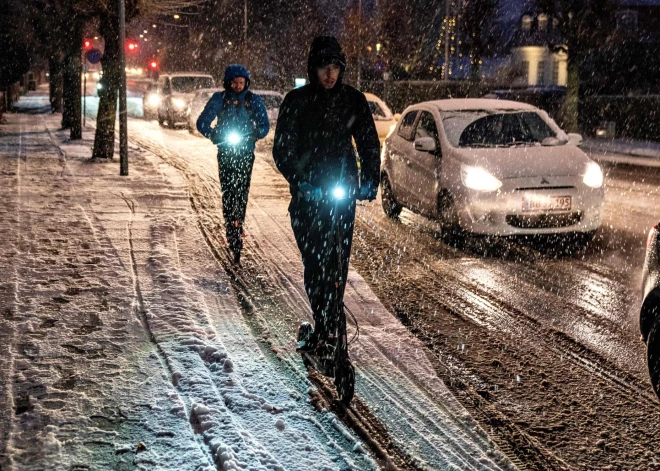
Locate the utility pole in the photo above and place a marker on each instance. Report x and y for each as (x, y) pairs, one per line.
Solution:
(359, 54)
(123, 118)
(245, 25)
(445, 69)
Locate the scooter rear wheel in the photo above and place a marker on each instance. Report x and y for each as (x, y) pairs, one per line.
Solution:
(345, 382)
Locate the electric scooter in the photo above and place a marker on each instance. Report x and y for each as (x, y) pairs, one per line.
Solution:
(330, 357)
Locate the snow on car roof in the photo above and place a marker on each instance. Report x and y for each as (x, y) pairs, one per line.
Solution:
(268, 92)
(461, 104)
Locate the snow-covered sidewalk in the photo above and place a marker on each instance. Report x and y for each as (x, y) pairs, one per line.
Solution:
(123, 344)
(626, 151)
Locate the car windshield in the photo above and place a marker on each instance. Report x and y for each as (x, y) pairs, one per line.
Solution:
(495, 128)
(376, 110)
(190, 84)
(272, 101)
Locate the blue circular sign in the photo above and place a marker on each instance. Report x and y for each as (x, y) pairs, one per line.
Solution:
(93, 56)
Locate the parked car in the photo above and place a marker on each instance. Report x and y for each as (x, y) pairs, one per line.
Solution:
(383, 117)
(177, 90)
(649, 316)
(197, 105)
(150, 101)
(490, 167)
(272, 100)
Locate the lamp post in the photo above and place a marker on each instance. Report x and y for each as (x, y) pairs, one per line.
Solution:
(123, 119)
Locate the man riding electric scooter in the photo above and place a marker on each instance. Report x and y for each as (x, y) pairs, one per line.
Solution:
(314, 151)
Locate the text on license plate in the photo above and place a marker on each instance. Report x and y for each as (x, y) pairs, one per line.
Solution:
(546, 203)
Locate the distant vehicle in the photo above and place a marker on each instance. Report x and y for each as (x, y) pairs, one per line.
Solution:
(491, 167)
(150, 101)
(383, 117)
(177, 90)
(272, 100)
(649, 316)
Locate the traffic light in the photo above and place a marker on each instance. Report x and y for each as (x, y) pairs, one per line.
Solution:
(87, 44)
(131, 45)
(153, 64)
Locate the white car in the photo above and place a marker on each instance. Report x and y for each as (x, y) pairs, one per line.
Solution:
(383, 117)
(177, 90)
(197, 105)
(272, 100)
(490, 167)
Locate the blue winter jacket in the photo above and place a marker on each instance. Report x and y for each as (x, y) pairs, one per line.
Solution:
(233, 117)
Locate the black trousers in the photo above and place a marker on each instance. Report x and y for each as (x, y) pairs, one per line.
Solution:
(235, 176)
(324, 234)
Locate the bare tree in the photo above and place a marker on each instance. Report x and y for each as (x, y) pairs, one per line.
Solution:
(583, 24)
(476, 18)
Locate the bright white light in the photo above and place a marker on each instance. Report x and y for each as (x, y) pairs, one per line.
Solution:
(339, 193)
(233, 138)
(479, 179)
(154, 100)
(99, 86)
(593, 177)
(96, 75)
(178, 102)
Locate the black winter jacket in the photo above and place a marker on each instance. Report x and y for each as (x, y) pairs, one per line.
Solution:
(313, 138)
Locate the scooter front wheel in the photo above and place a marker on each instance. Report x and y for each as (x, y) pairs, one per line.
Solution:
(345, 382)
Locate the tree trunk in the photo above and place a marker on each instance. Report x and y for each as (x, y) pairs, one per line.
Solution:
(55, 84)
(570, 109)
(71, 114)
(104, 140)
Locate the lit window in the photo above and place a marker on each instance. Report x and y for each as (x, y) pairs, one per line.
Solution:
(526, 23)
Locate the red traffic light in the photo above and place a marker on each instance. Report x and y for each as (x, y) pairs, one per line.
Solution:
(131, 46)
(153, 64)
(87, 44)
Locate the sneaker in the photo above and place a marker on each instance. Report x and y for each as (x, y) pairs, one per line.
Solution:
(237, 257)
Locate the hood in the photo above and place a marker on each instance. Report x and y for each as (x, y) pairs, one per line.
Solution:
(520, 162)
(235, 70)
(324, 50)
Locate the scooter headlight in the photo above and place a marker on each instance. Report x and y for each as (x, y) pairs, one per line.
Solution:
(339, 193)
(234, 138)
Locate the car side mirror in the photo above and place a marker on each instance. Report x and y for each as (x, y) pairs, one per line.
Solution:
(575, 139)
(397, 116)
(425, 144)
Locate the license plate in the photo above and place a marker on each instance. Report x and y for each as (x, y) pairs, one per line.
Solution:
(546, 203)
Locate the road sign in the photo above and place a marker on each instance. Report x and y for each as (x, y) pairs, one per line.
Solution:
(93, 56)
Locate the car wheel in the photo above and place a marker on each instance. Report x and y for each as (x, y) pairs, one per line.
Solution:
(161, 121)
(448, 216)
(653, 356)
(390, 206)
(170, 121)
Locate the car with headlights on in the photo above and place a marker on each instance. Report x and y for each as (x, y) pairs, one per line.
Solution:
(490, 167)
(649, 316)
(150, 102)
(177, 90)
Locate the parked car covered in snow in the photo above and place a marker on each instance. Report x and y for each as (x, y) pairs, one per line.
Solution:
(383, 117)
(273, 100)
(490, 167)
(177, 90)
(649, 316)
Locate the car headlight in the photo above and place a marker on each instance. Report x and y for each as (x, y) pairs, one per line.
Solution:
(153, 100)
(476, 178)
(593, 177)
(178, 103)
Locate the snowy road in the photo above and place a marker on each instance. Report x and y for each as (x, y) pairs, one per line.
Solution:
(126, 344)
(539, 343)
